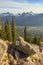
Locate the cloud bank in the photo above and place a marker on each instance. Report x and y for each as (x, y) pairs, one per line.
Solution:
(19, 6)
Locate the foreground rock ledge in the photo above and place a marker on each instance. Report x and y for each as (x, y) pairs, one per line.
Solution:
(24, 47)
(8, 59)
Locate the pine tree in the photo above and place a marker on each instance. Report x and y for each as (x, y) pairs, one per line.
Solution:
(8, 31)
(35, 40)
(39, 41)
(13, 30)
(2, 31)
(29, 40)
(25, 35)
(3, 36)
(0, 24)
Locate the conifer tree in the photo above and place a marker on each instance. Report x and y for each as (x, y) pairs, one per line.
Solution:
(0, 28)
(35, 40)
(39, 41)
(0, 23)
(29, 40)
(3, 35)
(13, 30)
(8, 31)
(2, 31)
(25, 35)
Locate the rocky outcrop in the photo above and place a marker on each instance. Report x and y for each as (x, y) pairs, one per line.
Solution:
(3, 50)
(7, 53)
(24, 47)
(5, 57)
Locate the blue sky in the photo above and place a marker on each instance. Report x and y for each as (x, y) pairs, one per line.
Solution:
(19, 6)
(29, 1)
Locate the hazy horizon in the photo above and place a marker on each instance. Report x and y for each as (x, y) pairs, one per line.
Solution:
(19, 6)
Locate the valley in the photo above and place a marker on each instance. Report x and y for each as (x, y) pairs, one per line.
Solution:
(31, 31)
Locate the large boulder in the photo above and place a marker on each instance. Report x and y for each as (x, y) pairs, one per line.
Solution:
(24, 46)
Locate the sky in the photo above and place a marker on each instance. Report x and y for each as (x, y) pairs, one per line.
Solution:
(19, 6)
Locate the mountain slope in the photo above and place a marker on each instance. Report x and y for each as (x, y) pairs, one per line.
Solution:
(24, 18)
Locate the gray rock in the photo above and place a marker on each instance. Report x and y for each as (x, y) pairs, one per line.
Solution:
(24, 47)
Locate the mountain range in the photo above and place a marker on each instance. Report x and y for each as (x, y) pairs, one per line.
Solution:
(28, 18)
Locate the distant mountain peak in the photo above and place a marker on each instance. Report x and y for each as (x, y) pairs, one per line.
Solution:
(26, 18)
(6, 14)
(26, 14)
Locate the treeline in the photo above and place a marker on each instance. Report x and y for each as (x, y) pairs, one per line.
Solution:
(7, 31)
(32, 40)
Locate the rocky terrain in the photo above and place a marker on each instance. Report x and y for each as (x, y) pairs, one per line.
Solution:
(9, 57)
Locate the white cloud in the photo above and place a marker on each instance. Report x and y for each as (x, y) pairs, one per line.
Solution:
(9, 3)
(14, 11)
(15, 7)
